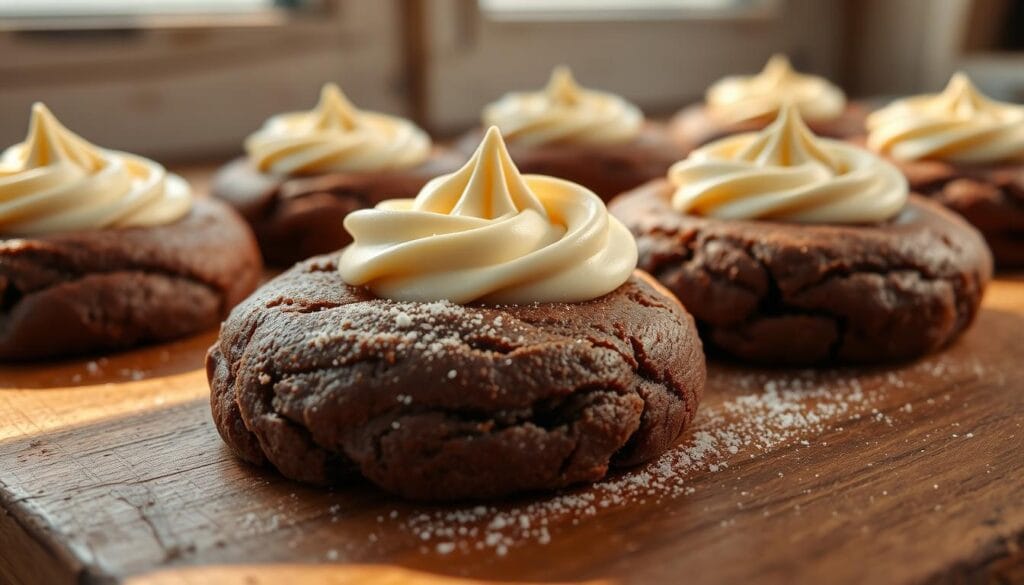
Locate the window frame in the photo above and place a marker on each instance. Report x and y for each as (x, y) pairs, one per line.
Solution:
(182, 81)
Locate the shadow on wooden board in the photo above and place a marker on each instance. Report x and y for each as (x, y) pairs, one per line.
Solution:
(145, 363)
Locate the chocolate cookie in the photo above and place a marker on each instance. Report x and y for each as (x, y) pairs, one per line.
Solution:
(91, 291)
(298, 217)
(990, 197)
(693, 127)
(807, 294)
(437, 401)
(604, 169)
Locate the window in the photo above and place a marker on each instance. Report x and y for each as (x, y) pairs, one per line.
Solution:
(157, 78)
(121, 14)
(660, 54)
(619, 9)
(74, 8)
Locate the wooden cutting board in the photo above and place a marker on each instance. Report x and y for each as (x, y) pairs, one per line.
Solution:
(111, 471)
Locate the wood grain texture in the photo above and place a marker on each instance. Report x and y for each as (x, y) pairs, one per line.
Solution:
(111, 471)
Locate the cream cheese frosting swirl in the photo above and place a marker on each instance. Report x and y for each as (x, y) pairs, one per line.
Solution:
(958, 125)
(738, 99)
(336, 137)
(487, 233)
(564, 112)
(55, 181)
(786, 173)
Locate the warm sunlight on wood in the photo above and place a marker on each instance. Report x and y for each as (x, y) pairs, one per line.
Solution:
(323, 575)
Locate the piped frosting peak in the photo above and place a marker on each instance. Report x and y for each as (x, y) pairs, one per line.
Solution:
(788, 143)
(57, 181)
(960, 124)
(737, 99)
(564, 112)
(49, 142)
(334, 111)
(487, 233)
(786, 173)
(562, 87)
(335, 136)
(489, 186)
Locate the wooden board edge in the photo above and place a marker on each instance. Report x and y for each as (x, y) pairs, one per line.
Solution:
(28, 557)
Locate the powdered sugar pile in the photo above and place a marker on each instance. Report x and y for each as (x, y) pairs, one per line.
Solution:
(765, 414)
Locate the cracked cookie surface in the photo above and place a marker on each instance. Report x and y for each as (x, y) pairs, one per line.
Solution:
(91, 291)
(295, 218)
(438, 401)
(807, 294)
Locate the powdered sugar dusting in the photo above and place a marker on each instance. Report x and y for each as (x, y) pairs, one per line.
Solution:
(430, 330)
(766, 411)
(747, 415)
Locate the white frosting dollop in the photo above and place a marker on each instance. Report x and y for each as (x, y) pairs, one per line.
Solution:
(564, 112)
(741, 98)
(55, 181)
(487, 233)
(958, 125)
(336, 137)
(786, 173)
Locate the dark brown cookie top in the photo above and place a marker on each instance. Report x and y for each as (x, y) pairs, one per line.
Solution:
(991, 197)
(192, 248)
(926, 266)
(693, 127)
(441, 401)
(208, 257)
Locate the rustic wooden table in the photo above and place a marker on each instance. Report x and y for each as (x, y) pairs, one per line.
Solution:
(111, 471)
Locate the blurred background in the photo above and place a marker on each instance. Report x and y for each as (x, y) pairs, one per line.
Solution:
(187, 80)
